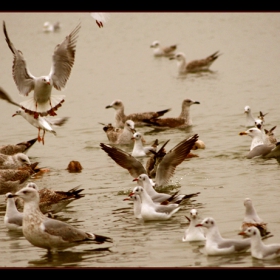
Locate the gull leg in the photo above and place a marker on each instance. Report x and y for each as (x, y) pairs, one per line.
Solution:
(43, 141)
(39, 137)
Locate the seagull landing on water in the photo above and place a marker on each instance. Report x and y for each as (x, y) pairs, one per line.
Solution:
(43, 102)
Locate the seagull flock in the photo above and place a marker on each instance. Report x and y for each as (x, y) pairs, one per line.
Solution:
(31, 210)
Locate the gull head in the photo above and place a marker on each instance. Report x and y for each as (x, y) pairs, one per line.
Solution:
(250, 231)
(207, 222)
(155, 44)
(179, 56)
(129, 124)
(247, 109)
(117, 104)
(28, 194)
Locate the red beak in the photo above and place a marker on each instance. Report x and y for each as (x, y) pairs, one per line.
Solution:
(135, 179)
(199, 225)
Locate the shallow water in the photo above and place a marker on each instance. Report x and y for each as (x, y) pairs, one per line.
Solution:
(116, 62)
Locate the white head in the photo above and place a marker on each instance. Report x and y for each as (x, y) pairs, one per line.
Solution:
(29, 193)
(247, 109)
(251, 231)
(137, 136)
(22, 159)
(207, 222)
(129, 124)
(155, 44)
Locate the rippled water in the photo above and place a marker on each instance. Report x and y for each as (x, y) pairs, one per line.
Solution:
(115, 62)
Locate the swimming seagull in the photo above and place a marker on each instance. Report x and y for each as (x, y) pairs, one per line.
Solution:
(195, 65)
(193, 233)
(159, 197)
(122, 136)
(21, 147)
(47, 233)
(136, 204)
(48, 27)
(217, 245)
(43, 102)
(153, 211)
(251, 218)
(259, 250)
(250, 120)
(100, 18)
(41, 123)
(260, 149)
(52, 201)
(139, 150)
(121, 117)
(166, 167)
(159, 50)
(12, 218)
(182, 121)
(14, 161)
(270, 135)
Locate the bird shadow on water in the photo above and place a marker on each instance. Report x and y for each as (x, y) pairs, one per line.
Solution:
(69, 258)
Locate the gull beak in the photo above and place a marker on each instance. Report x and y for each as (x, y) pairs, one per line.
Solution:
(131, 194)
(199, 225)
(188, 218)
(135, 179)
(243, 133)
(127, 198)
(242, 233)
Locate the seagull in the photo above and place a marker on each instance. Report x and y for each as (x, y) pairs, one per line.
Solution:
(43, 102)
(14, 161)
(159, 197)
(12, 218)
(184, 119)
(159, 50)
(251, 218)
(166, 167)
(270, 135)
(12, 180)
(258, 148)
(120, 116)
(153, 211)
(136, 204)
(48, 27)
(41, 123)
(21, 147)
(139, 150)
(100, 18)
(217, 245)
(122, 136)
(52, 201)
(195, 65)
(193, 233)
(48, 233)
(250, 120)
(259, 250)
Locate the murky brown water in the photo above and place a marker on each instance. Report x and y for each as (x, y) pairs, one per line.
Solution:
(115, 62)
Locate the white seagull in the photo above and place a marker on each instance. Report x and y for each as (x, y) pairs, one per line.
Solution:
(193, 233)
(195, 65)
(100, 18)
(47, 233)
(159, 50)
(182, 121)
(121, 117)
(136, 204)
(259, 250)
(153, 211)
(159, 197)
(41, 123)
(251, 218)
(43, 102)
(260, 149)
(165, 168)
(139, 150)
(122, 136)
(250, 120)
(217, 245)
(12, 218)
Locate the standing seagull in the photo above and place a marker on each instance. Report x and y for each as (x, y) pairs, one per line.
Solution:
(259, 250)
(48, 233)
(195, 65)
(43, 102)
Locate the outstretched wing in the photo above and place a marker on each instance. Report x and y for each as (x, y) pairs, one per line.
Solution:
(63, 59)
(23, 78)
